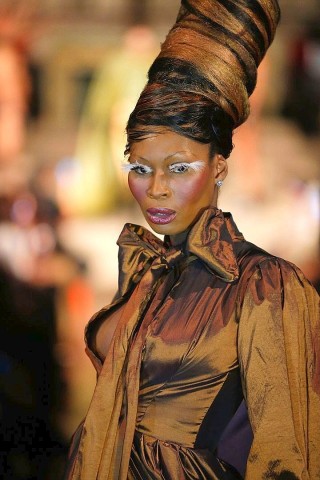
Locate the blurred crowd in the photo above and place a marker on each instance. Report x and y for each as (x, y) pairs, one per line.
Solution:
(35, 268)
(47, 285)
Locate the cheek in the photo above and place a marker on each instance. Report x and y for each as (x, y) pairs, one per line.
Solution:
(137, 188)
(194, 189)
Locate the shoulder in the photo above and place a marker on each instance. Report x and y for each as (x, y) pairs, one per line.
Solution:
(279, 307)
(267, 275)
(276, 270)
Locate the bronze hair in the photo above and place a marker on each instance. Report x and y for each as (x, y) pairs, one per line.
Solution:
(200, 83)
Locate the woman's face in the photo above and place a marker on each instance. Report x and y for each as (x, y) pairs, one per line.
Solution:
(173, 180)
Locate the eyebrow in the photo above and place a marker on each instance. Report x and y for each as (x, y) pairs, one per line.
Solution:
(168, 157)
(179, 152)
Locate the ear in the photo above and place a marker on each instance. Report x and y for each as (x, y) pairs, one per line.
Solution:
(221, 167)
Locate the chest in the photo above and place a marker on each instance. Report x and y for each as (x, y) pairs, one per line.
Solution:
(192, 329)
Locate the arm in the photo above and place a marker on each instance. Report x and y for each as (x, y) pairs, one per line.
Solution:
(278, 340)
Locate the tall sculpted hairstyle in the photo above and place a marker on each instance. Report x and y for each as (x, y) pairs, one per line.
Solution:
(200, 83)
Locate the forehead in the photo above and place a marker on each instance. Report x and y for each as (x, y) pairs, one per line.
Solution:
(162, 146)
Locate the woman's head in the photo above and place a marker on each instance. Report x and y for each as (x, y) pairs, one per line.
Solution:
(199, 86)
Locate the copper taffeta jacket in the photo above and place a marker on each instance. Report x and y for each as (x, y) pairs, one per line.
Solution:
(213, 370)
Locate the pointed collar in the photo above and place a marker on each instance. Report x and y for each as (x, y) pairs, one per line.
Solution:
(211, 239)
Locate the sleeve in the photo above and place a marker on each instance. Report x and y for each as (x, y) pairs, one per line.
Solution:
(278, 342)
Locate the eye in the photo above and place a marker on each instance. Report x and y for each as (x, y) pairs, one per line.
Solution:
(141, 169)
(184, 167)
(179, 167)
(137, 168)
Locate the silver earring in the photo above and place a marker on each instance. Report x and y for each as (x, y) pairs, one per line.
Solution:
(219, 183)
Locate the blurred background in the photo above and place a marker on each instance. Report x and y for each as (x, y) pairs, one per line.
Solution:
(70, 73)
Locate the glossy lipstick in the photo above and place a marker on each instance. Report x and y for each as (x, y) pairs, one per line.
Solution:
(161, 216)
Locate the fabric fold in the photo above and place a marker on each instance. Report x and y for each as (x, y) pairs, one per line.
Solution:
(181, 305)
(143, 260)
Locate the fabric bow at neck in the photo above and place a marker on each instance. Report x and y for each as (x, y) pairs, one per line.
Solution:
(210, 239)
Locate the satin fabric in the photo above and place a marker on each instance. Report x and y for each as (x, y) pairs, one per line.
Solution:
(204, 325)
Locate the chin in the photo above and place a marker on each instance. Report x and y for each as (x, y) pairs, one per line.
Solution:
(167, 229)
(162, 229)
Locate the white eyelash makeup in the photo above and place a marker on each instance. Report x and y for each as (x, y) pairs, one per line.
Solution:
(196, 166)
(129, 167)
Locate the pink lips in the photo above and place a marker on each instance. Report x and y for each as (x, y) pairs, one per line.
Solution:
(161, 216)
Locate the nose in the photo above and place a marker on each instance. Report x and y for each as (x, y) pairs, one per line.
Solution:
(158, 187)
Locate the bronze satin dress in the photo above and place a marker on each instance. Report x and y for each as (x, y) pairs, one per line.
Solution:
(206, 327)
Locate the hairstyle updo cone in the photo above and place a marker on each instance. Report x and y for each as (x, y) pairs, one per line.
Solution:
(200, 83)
(224, 41)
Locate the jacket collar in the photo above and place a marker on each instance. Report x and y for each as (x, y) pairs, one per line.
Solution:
(211, 239)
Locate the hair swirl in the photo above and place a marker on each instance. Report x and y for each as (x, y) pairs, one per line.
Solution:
(200, 83)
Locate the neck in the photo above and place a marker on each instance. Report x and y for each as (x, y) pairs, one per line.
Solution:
(178, 238)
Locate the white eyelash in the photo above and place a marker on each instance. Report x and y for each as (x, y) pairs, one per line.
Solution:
(128, 167)
(196, 166)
